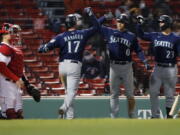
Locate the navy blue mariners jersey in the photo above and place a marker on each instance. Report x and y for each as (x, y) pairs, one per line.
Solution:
(165, 47)
(120, 44)
(72, 43)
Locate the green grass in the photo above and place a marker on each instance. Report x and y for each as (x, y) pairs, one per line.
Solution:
(90, 127)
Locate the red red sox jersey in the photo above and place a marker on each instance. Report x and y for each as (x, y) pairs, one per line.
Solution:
(16, 63)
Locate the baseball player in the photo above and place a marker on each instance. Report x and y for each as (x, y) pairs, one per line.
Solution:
(166, 46)
(121, 43)
(11, 71)
(71, 44)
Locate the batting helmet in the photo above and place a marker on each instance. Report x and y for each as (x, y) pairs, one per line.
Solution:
(70, 20)
(167, 20)
(123, 18)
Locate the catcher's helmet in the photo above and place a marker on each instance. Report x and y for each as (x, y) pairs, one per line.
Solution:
(10, 28)
(167, 20)
(70, 20)
(123, 18)
(6, 28)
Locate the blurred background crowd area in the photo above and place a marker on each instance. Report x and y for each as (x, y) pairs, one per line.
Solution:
(41, 20)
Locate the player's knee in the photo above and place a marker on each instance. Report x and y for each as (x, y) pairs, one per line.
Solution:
(153, 91)
(114, 94)
(11, 114)
(71, 94)
(20, 114)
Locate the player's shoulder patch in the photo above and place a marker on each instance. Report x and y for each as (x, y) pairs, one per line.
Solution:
(6, 50)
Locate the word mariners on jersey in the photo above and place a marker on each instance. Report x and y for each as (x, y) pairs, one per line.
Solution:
(73, 37)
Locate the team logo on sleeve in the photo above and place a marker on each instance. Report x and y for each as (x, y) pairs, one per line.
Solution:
(52, 40)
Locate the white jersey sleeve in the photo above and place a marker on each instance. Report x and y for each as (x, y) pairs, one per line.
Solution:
(5, 59)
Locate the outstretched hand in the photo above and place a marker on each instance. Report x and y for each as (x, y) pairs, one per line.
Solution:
(140, 19)
(42, 49)
(146, 65)
(109, 16)
(89, 11)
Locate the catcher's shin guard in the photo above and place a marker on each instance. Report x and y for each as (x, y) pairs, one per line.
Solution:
(131, 107)
(11, 114)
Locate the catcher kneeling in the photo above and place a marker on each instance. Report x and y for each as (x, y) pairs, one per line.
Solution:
(12, 79)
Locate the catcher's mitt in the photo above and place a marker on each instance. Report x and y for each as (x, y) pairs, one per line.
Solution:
(34, 92)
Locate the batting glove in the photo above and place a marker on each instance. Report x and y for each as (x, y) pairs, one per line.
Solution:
(42, 49)
(147, 66)
(89, 11)
(109, 16)
(140, 19)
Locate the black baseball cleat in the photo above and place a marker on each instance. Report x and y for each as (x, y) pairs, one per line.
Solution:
(61, 113)
(169, 117)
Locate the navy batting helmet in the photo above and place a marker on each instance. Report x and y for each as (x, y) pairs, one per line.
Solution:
(70, 20)
(167, 20)
(123, 18)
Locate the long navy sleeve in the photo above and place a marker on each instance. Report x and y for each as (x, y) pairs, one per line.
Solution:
(143, 35)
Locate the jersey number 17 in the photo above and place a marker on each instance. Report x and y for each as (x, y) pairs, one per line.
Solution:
(73, 46)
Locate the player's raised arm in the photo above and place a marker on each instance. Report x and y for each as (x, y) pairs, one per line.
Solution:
(140, 54)
(105, 17)
(93, 18)
(96, 25)
(143, 35)
(103, 29)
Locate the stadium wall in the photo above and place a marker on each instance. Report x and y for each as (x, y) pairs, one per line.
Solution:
(87, 107)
